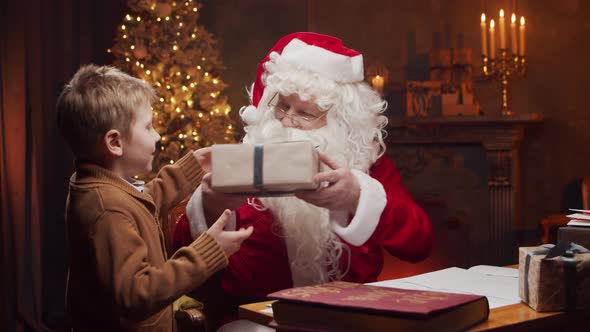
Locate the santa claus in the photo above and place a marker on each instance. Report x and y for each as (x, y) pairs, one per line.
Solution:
(310, 86)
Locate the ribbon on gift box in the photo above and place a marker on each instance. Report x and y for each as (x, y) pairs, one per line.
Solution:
(567, 251)
(258, 163)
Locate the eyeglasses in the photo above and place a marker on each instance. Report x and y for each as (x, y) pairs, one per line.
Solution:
(281, 111)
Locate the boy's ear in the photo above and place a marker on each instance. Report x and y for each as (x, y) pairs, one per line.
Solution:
(112, 142)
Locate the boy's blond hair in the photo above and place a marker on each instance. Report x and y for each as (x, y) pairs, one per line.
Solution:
(96, 100)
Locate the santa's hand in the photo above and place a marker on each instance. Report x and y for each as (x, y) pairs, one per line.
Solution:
(343, 190)
(215, 202)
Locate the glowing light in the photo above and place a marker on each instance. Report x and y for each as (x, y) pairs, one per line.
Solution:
(175, 47)
(123, 27)
(162, 100)
(177, 110)
(132, 47)
(128, 17)
(148, 72)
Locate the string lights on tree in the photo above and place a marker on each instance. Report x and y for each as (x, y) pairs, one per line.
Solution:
(161, 42)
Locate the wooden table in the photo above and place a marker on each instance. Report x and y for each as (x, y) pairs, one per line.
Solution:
(515, 317)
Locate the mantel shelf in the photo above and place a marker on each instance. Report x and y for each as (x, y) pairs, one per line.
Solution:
(493, 132)
(483, 120)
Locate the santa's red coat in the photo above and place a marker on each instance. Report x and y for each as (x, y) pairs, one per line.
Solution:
(261, 266)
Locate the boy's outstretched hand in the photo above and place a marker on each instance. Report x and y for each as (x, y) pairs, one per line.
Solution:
(229, 241)
(203, 155)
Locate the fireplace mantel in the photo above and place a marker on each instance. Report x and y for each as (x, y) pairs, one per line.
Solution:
(501, 137)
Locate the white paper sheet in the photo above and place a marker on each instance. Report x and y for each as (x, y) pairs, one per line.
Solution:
(498, 284)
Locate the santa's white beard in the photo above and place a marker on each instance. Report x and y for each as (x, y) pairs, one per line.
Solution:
(314, 249)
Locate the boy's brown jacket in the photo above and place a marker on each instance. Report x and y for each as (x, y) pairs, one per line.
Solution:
(119, 277)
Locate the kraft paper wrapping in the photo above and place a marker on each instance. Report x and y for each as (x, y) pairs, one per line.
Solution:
(560, 283)
(264, 170)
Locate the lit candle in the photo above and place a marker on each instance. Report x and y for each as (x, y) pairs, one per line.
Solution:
(484, 36)
(521, 35)
(513, 33)
(492, 40)
(377, 83)
(502, 24)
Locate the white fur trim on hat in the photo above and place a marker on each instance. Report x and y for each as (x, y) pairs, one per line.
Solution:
(371, 204)
(250, 115)
(337, 67)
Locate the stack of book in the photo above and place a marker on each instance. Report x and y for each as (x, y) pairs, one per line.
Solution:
(346, 307)
(580, 218)
(578, 228)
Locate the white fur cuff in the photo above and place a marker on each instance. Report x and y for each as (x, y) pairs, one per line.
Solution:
(371, 204)
(195, 214)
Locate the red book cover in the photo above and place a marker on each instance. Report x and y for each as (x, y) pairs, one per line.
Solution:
(406, 302)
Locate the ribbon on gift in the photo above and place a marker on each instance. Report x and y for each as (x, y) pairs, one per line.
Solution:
(567, 251)
(258, 163)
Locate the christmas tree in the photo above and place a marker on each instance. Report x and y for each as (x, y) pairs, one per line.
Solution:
(161, 43)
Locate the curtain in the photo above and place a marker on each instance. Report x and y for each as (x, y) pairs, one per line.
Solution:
(42, 43)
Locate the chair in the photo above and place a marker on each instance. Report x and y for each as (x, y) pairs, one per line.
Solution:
(551, 223)
(188, 312)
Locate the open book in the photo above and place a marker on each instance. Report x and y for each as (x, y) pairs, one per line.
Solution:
(498, 284)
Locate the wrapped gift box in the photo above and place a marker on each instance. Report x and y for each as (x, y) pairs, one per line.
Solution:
(557, 283)
(269, 169)
(422, 98)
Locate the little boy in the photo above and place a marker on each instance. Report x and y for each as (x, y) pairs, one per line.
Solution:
(119, 276)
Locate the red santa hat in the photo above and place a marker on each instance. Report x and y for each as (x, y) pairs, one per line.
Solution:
(322, 54)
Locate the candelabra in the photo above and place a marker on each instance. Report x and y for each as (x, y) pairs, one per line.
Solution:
(504, 69)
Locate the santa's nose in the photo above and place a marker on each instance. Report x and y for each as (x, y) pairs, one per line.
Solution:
(289, 122)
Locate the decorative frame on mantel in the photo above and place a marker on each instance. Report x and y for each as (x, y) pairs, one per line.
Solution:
(501, 137)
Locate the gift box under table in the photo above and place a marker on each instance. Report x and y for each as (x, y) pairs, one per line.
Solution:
(559, 283)
(264, 169)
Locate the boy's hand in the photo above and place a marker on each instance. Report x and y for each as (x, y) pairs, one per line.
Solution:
(229, 241)
(203, 156)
